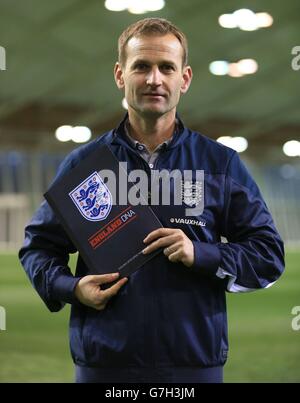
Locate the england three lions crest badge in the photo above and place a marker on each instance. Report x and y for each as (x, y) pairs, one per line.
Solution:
(92, 198)
(192, 194)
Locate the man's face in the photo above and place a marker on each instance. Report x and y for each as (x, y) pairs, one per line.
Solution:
(153, 77)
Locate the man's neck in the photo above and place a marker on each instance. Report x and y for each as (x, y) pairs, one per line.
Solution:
(151, 132)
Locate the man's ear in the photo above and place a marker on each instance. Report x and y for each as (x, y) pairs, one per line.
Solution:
(118, 74)
(186, 79)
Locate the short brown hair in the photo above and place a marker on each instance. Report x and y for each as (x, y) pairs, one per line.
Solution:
(151, 26)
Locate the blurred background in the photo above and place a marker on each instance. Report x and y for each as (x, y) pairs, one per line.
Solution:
(57, 91)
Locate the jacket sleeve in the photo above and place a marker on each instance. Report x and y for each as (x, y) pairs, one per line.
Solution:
(253, 256)
(45, 256)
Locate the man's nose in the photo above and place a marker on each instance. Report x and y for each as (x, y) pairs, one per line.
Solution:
(154, 77)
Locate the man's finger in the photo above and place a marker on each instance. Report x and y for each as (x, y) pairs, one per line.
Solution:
(174, 257)
(171, 249)
(158, 233)
(105, 278)
(160, 243)
(113, 290)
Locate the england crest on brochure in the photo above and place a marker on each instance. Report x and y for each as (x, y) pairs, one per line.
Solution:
(92, 198)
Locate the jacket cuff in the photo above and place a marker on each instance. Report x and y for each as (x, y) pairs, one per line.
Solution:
(207, 258)
(63, 288)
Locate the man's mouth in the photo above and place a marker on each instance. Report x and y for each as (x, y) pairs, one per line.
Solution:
(153, 94)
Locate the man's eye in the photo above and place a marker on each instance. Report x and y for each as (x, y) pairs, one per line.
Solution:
(141, 66)
(167, 67)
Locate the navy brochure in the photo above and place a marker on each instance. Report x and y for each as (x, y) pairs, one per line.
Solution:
(109, 236)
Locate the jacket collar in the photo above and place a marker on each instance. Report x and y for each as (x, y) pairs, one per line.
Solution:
(119, 134)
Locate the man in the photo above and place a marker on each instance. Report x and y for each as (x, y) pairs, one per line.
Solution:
(167, 322)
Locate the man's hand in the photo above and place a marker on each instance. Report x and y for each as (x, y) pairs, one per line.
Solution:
(177, 246)
(88, 290)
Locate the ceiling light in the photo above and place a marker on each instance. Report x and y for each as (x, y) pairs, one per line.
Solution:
(238, 69)
(246, 20)
(154, 5)
(227, 21)
(78, 134)
(64, 133)
(234, 70)
(137, 10)
(116, 5)
(292, 148)
(225, 140)
(137, 6)
(264, 20)
(81, 134)
(219, 67)
(134, 6)
(247, 66)
(239, 144)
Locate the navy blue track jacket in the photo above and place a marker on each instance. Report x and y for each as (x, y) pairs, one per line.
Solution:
(166, 315)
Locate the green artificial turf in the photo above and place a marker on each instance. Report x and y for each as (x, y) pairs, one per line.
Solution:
(263, 347)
